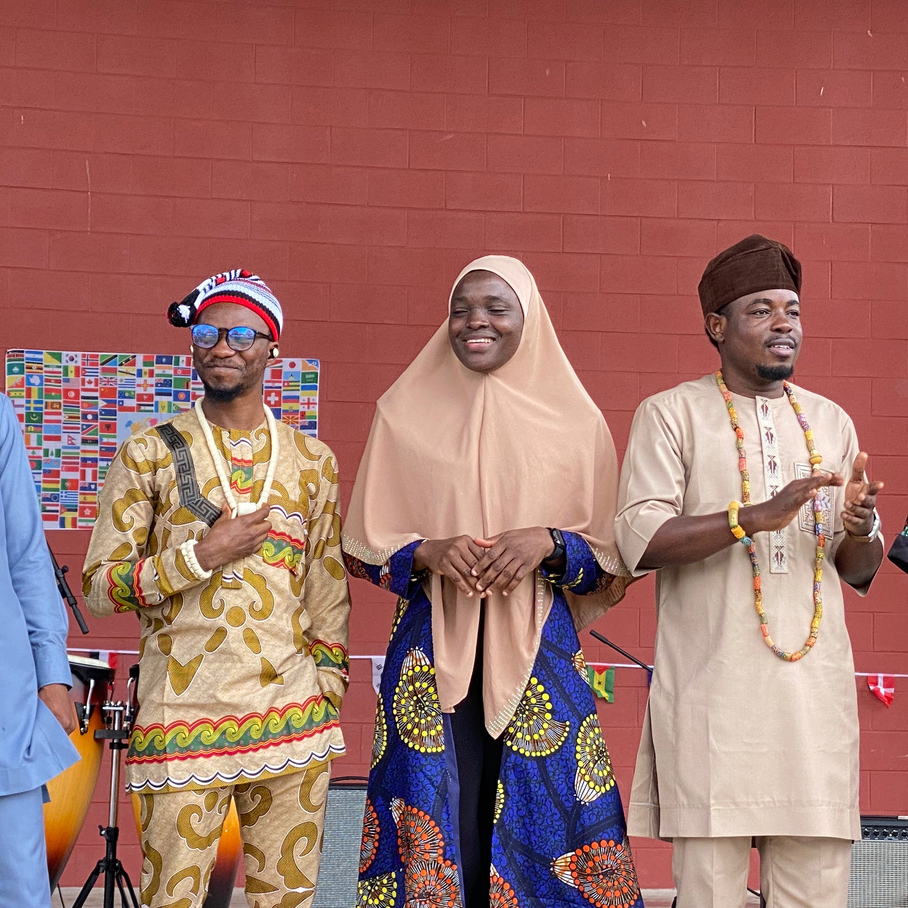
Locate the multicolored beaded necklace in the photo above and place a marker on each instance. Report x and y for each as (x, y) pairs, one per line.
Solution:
(815, 461)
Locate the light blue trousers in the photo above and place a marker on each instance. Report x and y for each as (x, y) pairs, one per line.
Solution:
(23, 858)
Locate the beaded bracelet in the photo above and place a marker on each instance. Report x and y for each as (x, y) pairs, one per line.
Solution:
(736, 530)
(188, 550)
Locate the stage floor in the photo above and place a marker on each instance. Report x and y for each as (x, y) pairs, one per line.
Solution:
(653, 898)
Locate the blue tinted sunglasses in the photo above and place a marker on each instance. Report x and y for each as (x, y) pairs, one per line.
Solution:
(240, 338)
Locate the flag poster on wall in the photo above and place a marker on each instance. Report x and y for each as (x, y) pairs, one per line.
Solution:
(77, 408)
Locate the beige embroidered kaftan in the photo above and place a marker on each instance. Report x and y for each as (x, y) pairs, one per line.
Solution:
(242, 675)
(735, 740)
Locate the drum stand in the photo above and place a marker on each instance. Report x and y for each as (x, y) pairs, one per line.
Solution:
(119, 721)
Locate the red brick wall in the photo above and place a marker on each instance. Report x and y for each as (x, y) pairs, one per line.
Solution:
(357, 153)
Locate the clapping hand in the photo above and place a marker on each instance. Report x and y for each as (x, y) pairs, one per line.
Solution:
(860, 499)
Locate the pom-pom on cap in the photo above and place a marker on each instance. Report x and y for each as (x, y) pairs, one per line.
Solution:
(182, 314)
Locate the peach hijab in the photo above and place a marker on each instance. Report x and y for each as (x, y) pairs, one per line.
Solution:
(454, 452)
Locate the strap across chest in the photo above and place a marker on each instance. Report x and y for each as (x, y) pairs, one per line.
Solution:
(187, 484)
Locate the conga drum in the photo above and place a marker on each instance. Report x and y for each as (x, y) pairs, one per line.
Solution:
(72, 790)
(223, 874)
(230, 846)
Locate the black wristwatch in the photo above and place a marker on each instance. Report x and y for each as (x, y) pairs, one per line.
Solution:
(560, 549)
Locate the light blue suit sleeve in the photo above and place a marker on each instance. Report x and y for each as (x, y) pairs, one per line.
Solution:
(30, 568)
(33, 745)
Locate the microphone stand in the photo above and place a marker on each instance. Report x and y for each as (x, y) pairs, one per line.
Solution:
(625, 653)
(66, 592)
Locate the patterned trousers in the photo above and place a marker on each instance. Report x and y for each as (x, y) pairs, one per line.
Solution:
(281, 823)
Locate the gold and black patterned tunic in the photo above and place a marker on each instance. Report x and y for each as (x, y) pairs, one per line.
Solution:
(242, 675)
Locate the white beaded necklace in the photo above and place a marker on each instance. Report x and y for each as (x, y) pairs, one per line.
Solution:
(238, 508)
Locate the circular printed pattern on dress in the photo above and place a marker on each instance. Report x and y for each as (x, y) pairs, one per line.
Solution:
(417, 711)
(379, 892)
(594, 766)
(602, 872)
(533, 731)
(371, 831)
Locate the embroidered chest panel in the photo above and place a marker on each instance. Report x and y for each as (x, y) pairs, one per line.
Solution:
(805, 515)
(772, 476)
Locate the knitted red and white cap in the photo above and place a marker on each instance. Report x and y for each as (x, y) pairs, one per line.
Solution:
(240, 287)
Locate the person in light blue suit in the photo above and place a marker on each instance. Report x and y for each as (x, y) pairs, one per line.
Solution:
(36, 713)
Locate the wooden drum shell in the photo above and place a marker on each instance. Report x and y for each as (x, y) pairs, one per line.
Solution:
(71, 791)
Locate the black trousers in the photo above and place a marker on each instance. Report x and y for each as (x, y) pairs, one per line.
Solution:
(478, 757)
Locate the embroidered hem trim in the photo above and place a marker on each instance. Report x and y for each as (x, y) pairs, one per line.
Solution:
(611, 565)
(500, 722)
(362, 552)
(221, 778)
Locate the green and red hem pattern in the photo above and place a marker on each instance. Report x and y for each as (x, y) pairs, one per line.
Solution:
(331, 655)
(232, 735)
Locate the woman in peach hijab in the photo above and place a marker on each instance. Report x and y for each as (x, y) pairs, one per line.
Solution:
(485, 499)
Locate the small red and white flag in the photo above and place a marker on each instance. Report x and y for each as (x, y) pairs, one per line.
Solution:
(882, 687)
(111, 657)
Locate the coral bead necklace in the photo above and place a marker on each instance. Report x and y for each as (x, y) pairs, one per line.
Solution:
(819, 530)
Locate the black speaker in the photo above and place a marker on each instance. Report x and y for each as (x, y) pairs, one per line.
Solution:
(879, 864)
(341, 844)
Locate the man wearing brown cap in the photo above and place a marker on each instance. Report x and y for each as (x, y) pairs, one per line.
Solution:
(748, 497)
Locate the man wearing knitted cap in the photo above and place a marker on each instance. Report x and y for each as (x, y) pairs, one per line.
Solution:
(221, 530)
(747, 496)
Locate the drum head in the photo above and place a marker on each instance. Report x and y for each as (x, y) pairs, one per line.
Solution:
(85, 668)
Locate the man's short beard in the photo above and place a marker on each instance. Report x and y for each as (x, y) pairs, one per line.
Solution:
(775, 373)
(222, 395)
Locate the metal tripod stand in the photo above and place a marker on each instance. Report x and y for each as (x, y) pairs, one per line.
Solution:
(118, 718)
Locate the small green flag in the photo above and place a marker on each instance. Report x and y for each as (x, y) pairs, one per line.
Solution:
(602, 682)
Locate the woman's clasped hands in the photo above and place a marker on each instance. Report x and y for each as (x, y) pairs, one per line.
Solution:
(485, 566)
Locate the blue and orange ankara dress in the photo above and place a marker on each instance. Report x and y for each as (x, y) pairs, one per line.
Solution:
(559, 833)
(490, 781)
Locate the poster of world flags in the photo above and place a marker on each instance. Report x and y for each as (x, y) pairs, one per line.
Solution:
(77, 408)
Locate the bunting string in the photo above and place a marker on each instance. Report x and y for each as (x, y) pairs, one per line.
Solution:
(381, 658)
